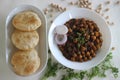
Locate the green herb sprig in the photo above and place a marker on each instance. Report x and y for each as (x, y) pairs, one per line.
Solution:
(51, 69)
(98, 70)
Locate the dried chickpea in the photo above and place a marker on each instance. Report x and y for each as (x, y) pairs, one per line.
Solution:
(113, 48)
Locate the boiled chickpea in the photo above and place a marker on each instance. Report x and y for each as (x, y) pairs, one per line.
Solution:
(93, 38)
(90, 57)
(80, 56)
(75, 55)
(70, 30)
(87, 37)
(93, 54)
(73, 58)
(83, 48)
(88, 53)
(85, 59)
(97, 41)
(94, 47)
(97, 34)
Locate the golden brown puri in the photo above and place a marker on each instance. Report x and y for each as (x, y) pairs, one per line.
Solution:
(25, 40)
(26, 21)
(25, 62)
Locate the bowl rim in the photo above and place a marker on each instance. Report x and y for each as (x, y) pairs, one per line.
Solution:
(74, 9)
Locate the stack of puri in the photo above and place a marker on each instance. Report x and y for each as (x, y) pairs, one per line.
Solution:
(25, 38)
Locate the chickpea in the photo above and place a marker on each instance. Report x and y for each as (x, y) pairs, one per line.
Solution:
(90, 57)
(92, 51)
(73, 58)
(97, 34)
(87, 37)
(85, 58)
(96, 28)
(94, 47)
(81, 60)
(98, 46)
(83, 48)
(86, 26)
(82, 29)
(97, 41)
(100, 34)
(75, 55)
(93, 38)
(88, 54)
(92, 33)
(70, 30)
(61, 48)
(91, 27)
(85, 34)
(79, 52)
(80, 56)
(90, 44)
(74, 27)
(83, 20)
(83, 53)
(93, 54)
(81, 25)
(101, 40)
(89, 24)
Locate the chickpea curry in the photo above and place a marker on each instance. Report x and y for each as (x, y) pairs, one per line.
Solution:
(84, 40)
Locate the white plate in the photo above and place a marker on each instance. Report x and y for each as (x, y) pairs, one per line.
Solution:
(80, 13)
(42, 46)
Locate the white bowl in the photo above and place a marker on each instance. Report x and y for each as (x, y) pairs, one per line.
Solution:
(42, 47)
(80, 13)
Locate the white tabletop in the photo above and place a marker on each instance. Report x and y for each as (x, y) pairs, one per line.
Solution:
(7, 5)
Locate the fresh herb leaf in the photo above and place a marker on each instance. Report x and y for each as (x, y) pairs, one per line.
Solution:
(71, 75)
(94, 72)
(51, 70)
(99, 70)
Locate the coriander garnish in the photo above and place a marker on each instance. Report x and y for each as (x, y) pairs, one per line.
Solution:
(51, 70)
(97, 71)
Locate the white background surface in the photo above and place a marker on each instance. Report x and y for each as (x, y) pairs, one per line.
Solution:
(7, 5)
